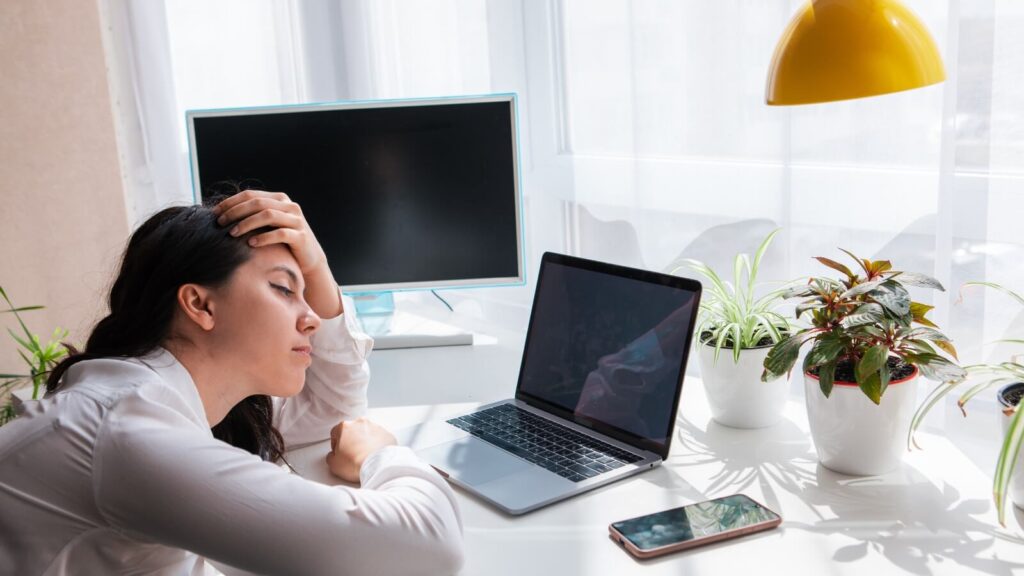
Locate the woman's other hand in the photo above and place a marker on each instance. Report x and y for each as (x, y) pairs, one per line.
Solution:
(351, 443)
(253, 209)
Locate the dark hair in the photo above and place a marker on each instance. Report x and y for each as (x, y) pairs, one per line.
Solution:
(176, 246)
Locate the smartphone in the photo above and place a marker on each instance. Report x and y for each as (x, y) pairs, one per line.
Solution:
(693, 525)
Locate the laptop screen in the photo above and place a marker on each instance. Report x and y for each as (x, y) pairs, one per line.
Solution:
(607, 347)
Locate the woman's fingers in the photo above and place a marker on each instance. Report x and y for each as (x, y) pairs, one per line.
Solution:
(247, 208)
(335, 436)
(245, 196)
(269, 217)
(278, 236)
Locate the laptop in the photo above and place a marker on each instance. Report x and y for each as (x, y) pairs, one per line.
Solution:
(599, 385)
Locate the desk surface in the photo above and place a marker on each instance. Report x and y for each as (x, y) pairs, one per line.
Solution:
(934, 515)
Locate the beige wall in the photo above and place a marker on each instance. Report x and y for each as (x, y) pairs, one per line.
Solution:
(63, 220)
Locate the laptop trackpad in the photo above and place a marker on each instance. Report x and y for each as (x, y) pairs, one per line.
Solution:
(472, 461)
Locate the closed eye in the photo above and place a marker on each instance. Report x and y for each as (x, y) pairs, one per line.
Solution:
(283, 289)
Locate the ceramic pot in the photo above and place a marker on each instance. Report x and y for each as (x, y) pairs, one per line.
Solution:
(852, 434)
(1017, 478)
(735, 393)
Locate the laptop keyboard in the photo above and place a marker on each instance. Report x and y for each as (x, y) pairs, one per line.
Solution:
(557, 448)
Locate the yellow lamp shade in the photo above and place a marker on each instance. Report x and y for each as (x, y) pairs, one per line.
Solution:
(842, 49)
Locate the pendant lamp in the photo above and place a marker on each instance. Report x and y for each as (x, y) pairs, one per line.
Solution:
(841, 49)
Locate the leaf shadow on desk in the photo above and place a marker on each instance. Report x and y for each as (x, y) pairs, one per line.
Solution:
(906, 518)
(779, 456)
(903, 516)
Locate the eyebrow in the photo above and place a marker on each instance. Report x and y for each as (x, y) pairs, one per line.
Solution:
(291, 273)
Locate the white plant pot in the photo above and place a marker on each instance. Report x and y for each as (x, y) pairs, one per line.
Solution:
(735, 393)
(1017, 478)
(855, 436)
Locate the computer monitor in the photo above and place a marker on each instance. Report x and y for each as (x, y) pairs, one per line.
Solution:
(402, 194)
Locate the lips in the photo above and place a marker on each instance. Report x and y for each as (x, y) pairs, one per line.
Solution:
(303, 350)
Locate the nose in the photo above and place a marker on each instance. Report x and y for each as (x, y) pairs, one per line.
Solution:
(309, 322)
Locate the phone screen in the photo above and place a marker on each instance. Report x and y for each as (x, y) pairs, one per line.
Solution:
(693, 521)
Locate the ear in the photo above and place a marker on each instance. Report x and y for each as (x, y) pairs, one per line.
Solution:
(196, 302)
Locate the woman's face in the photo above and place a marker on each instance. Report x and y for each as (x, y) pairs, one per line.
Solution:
(263, 324)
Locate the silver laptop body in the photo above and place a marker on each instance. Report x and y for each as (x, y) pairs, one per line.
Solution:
(598, 390)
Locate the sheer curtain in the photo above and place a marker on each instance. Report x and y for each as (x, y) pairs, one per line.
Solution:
(645, 136)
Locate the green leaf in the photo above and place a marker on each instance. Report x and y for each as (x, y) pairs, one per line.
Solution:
(782, 357)
(893, 297)
(946, 347)
(935, 367)
(826, 348)
(865, 264)
(862, 288)
(883, 375)
(872, 361)
(993, 285)
(865, 331)
(835, 265)
(924, 333)
(739, 263)
(868, 313)
(704, 270)
(1006, 463)
(826, 377)
(915, 279)
(25, 344)
(921, 345)
(737, 342)
(868, 372)
(798, 292)
(23, 309)
(872, 387)
(977, 389)
(806, 305)
(757, 259)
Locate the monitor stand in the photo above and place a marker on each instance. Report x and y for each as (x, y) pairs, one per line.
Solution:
(391, 328)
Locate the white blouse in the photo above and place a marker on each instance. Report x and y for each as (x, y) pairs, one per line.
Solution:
(119, 473)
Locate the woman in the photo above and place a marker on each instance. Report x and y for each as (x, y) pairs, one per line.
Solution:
(155, 448)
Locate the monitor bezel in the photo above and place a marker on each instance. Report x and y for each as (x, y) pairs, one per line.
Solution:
(677, 282)
(518, 280)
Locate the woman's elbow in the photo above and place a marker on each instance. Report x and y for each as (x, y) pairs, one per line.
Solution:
(452, 555)
(445, 542)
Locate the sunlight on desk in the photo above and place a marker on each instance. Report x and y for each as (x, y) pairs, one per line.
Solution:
(931, 516)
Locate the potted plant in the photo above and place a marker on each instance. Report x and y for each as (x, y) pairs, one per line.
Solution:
(1009, 376)
(865, 345)
(731, 318)
(39, 357)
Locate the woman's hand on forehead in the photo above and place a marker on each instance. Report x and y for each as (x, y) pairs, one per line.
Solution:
(254, 209)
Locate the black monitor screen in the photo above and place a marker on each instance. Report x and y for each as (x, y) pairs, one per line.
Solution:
(610, 347)
(413, 195)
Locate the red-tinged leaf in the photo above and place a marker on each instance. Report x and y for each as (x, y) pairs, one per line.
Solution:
(835, 265)
(947, 347)
(865, 264)
(880, 266)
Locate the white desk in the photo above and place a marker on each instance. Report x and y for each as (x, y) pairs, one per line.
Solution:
(932, 516)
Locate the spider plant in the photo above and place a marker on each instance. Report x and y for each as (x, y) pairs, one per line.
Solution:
(982, 377)
(39, 357)
(730, 315)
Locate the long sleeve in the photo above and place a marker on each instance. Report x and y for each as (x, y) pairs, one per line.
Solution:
(336, 382)
(160, 478)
